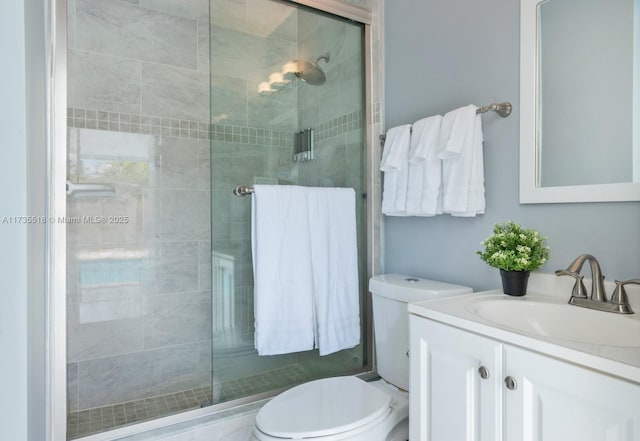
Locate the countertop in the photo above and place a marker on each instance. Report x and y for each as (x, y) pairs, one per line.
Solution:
(622, 362)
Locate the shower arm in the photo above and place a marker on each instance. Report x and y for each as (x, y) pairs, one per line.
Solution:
(326, 57)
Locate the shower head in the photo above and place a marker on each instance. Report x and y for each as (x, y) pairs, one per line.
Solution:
(311, 73)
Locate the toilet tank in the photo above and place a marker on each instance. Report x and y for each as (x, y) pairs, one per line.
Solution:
(391, 293)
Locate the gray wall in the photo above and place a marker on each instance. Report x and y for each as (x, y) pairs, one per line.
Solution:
(13, 263)
(36, 136)
(22, 99)
(442, 54)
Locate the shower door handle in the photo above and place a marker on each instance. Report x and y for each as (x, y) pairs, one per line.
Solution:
(90, 190)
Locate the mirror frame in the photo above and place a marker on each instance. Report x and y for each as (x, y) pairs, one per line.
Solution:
(530, 191)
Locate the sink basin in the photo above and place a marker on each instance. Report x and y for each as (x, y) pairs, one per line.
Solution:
(560, 321)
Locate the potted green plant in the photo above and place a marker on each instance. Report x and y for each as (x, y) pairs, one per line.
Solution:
(515, 251)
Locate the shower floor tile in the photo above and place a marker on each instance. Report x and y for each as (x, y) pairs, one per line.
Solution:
(263, 382)
(101, 419)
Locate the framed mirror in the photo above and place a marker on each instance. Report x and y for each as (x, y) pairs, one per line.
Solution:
(580, 101)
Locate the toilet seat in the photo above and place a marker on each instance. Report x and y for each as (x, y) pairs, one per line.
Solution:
(323, 408)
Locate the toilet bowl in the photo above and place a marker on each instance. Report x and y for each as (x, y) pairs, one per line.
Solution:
(348, 408)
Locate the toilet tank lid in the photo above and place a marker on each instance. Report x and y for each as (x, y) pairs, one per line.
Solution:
(412, 289)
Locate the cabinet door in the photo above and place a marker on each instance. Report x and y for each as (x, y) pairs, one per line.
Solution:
(557, 401)
(449, 400)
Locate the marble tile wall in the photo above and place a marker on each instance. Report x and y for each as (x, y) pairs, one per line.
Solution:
(250, 39)
(139, 58)
(139, 283)
(343, 91)
(139, 290)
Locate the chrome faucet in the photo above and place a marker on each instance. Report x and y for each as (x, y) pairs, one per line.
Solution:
(597, 279)
(598, 300)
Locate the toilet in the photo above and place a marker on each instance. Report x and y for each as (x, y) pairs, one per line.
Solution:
(348, 408)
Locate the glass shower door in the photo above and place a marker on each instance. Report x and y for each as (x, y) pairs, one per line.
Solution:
(262, 115)
(138, 253)
(171, 105)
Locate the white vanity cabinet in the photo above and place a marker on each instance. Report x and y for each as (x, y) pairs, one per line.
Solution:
(465, 386)
(450, 399)
(556, 401)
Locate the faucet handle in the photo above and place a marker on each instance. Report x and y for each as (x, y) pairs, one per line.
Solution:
(619, 296)
(579, 289)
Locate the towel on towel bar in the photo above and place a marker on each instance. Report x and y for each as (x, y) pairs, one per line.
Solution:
(395, 165)
(460, 148)
(306, 290)
(334, 266)
(425, 169)
(283, 289)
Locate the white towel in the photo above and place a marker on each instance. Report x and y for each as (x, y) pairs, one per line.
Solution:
(425, 169)
(476, 203)
(334, 256)
(305, 262)
(460, 148)
(283, 289)
(395, 165)
(456, 131)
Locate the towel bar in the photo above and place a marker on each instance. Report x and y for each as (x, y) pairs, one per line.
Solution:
(242, 190)
(502, 109)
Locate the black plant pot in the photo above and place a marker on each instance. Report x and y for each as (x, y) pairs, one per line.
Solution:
(514, 283)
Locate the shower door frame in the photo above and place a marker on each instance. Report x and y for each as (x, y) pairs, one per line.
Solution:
(55, 156)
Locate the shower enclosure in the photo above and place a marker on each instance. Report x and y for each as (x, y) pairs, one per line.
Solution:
(171, 105)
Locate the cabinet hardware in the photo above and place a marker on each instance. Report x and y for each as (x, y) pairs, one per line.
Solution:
(484, 372)
(511, 383)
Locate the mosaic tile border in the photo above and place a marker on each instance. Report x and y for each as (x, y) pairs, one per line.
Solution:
(251, 135)
(130, 123)
(339, 125)
(156, 125)
(100, 419)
